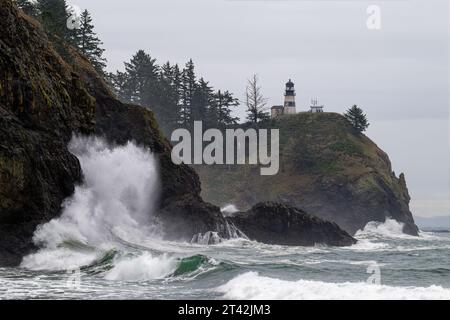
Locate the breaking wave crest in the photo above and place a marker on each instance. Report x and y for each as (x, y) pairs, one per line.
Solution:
(389, 229)
(229, 210)
(107, 228)
(251, 286)
(142, 267)
(108, 231)
(115, 200)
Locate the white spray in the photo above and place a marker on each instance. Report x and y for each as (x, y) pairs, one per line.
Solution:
(115, 201)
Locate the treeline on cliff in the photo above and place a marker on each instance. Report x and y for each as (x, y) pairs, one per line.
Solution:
(176, 95)
(64, 26)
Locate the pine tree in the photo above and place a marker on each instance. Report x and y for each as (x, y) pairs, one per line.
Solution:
(220, 114)
(167, 109)
(119, 83)
(188, 90)
(223, 104)
(142, 73)
(357, 119)
(88, 43)
(177, 87)
(28, 7)
(54, 15)
(201, 101)
(175, 96)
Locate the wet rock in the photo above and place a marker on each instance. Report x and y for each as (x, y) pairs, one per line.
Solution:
(275, 223)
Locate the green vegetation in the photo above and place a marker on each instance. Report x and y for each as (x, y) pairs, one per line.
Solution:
(88, 43)
(347, 147)
(315, 149)
(357, 119)
(177, 96)
(55, 15)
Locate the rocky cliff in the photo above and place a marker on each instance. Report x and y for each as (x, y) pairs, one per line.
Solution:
(43, 102)
(326, 169)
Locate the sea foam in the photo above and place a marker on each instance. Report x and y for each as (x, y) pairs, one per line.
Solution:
(252, 286)
(117, 196)
(389, 229)
(229, 210)
(142, 267)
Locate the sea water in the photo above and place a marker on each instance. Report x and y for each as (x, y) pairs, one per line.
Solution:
(106, 245)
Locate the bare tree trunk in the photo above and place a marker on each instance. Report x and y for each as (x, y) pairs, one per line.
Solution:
(255, 101)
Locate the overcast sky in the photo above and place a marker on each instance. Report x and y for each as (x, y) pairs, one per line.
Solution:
(399, 75)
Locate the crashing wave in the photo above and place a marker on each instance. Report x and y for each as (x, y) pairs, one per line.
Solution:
(208, 238)
(389, 229)
(117, 196)
(234, 232)
(212, 237)
(251, 286)
(142, 267)
(229, 210)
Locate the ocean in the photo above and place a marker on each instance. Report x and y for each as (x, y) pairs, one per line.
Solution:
(106, 246)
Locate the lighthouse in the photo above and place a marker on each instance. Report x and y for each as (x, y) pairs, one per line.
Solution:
(289, 99)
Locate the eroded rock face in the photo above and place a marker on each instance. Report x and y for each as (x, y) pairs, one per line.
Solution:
(326, 169)
(43, 102)
(275, 223)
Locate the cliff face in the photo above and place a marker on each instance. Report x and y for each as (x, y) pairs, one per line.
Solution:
(43, 102)
(326, 169)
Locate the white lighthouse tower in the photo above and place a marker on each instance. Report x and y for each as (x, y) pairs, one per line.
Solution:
(289, 99)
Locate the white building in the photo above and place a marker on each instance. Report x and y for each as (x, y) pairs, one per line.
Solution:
(315, 108)
(289, 102)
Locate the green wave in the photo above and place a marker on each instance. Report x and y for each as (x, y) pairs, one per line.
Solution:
(199, 266)
(103, 264)
(190, 264)
(76, 245)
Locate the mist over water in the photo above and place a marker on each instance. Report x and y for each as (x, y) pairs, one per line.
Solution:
(108, 233)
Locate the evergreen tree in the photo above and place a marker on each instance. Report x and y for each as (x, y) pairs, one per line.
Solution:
(357, 119)
(220, 114)
(28, 7)
(175, 96)
(119, 83)
(188, 91)
(142, 82)
(88, 43)
(201, 102)
(177, 87)
(168, 107)
(224, 102)
(54, 15)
